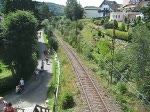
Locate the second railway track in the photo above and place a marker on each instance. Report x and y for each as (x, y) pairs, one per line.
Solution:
(94, 100)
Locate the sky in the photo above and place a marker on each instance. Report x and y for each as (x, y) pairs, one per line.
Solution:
(82, 2)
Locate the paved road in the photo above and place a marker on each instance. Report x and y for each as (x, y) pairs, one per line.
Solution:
(35, 90)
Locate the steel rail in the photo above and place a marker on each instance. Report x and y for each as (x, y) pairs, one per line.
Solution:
(80, 80)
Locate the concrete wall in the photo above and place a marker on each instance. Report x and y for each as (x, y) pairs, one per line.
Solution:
(118, 16)
(92, 13)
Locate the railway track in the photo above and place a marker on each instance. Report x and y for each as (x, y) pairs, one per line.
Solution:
(93, 99)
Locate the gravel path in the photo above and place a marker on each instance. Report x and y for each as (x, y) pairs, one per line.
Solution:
(35, 90)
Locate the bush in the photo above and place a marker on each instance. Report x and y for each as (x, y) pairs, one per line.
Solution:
(123, 28)
(108, 25)
(98, 22)
(122, 88)
(115, 24)
(53, 43)
(99, 33)
(119, 34)
(102, 21)
(8, 84)
(68, 101)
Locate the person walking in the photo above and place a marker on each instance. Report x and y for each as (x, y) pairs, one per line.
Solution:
(3, 103)
(36, 72)
(22, 83)
(9, 108)
(42, 66)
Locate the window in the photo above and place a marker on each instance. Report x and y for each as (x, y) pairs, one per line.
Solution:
(118, 16)
(103, 14)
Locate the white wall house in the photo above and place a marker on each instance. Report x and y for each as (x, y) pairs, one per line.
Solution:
(107, 6)
(91, 12)
(118, 16)
(101, 11)
(130, 11)
(104, 10)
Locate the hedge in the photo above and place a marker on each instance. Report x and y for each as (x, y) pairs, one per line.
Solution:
(119, 34)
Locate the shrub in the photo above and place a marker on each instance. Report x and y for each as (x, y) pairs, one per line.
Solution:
(115, 24)
(102, 21)
(119, 34)
(53, 43)
(68, 101)
(122, 88)
(108, 25)
(123, 28)
(98, 22)
(99, 33)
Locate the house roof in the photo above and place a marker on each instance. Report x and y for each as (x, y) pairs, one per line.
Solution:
(111, 4)
(91, 8)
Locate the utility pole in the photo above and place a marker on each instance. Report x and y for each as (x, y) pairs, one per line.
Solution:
(112, 53)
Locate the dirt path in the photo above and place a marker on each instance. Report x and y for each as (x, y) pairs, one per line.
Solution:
(35, 90)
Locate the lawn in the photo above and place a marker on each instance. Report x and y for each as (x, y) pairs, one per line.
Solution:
(4, 71)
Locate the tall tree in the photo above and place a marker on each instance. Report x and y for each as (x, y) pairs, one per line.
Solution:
(146, 12)
(45, 12)
(20, 37)
(141, 59)
(13, 5)
(73, 10)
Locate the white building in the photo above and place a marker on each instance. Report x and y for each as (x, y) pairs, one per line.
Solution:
(101, 11)
(91, 12)
(130, 11)
(107, 6)
(117, 15)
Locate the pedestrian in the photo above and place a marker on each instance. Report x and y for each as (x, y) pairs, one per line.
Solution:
(36, 72)
(42, 66)
(18, 89)
(9, 108)
(2, 101)
(46, 58)
(22, 83)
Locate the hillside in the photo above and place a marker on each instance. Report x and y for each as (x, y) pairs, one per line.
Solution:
(58, 9)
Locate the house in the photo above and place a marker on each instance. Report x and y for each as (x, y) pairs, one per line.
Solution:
(126, 2)
(91, 12)
(130, 10)
(106, 7)
(101, 11)
(117, 15)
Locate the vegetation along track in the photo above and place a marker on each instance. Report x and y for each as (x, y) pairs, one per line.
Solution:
(92, 96)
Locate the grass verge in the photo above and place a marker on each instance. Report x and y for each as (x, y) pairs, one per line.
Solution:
(67, 84)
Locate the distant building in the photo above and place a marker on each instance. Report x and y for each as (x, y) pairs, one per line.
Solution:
(101, 11)
(129, 11)
(107, 6)
(126, 2)
(117, 15)
(91, 12)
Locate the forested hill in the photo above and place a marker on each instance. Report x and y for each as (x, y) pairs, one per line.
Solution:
(56, 8)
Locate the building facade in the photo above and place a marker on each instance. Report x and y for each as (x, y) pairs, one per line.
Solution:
(130, 11)
(101, 11)
(91, 12)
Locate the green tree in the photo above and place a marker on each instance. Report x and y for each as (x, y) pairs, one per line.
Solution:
(138, 20)
(13, 5)
(141, 58)
(20, 37)
(45, 12)
(123, 28)
(146, 12)
(115, 24)
(73, 10)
